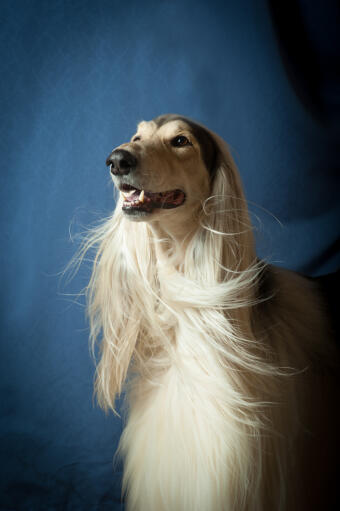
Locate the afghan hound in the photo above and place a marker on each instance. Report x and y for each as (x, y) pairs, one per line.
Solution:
(225, 360)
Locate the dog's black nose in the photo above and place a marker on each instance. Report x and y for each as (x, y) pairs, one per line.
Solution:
(121, 162)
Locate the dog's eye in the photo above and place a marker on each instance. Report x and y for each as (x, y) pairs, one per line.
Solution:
(180, 141)
(135, 139)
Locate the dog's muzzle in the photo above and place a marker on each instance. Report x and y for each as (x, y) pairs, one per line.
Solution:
(137, 201)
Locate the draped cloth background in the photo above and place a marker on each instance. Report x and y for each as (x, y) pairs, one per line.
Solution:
(76, 76)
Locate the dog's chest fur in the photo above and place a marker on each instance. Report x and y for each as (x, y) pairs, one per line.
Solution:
(183, 447)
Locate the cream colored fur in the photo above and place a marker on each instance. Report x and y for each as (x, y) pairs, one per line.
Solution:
(218, 376)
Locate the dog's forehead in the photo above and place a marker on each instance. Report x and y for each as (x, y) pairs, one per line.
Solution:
(173, 126)
(146, 128)
(151, 128)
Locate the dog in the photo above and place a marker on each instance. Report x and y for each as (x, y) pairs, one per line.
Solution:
(226, 361)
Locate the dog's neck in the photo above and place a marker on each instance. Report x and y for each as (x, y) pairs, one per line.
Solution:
(176, 228)
(175, 241)
(171, 243)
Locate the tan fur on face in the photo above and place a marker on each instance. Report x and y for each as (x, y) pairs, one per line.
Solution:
(162, 167)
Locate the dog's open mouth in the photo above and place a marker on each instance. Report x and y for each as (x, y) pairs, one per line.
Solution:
(142, 200)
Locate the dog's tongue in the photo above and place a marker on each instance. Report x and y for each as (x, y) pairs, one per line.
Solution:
(147, 201)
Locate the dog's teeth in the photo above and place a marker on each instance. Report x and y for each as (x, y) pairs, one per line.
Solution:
(141, 196)
(124, 196)
(128, 193)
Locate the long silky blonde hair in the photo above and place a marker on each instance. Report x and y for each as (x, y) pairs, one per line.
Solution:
(149, 292)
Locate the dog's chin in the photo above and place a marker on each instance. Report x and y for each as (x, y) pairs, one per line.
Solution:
(137, 216)
(156, 214)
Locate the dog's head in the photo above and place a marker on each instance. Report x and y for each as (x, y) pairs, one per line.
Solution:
(169, 164)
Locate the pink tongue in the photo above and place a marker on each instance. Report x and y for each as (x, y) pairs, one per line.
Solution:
(150, 196)
(134, 196)
(168, 199)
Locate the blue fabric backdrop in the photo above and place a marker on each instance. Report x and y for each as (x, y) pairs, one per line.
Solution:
(76, 77)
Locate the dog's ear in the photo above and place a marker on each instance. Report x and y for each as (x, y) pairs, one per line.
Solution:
(225, 177)
(226, 208)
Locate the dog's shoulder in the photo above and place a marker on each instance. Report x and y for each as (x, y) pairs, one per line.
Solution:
(299, 309)
(328, 287)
